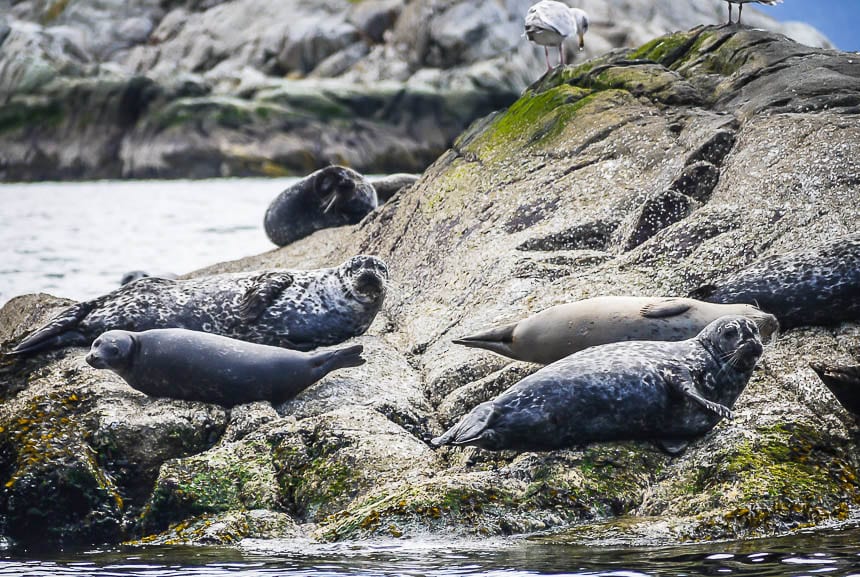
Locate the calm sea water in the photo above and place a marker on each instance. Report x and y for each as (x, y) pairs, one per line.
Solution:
(76, 240)
(835, 553)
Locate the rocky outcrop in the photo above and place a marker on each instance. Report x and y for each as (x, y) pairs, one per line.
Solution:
(643, 172)
(192, 89)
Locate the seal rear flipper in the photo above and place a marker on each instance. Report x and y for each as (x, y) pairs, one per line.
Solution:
(673, 447)
(265, 288)
(843, 382)
(471, 429)
(665, 309)
(60, 332)
(497, 340)
(341, 358)
(703, 293)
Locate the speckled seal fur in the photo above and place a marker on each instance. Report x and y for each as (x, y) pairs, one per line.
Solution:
(670, 392)
(330, 197)
(806, 287)
(197, 366)
(562, 330)
(299, 309)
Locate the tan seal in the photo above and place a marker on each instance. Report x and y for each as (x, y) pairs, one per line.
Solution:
(562, 330)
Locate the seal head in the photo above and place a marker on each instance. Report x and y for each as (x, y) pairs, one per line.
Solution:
(112, 350)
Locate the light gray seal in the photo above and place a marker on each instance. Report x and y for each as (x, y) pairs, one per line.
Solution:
(297, 309)
(330, 197)
(817, 285)
(562, 330)
(670, 392)
(389, 185)
(197, 366)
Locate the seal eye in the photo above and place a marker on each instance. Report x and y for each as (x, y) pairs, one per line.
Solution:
(113, 350)
(730, 332)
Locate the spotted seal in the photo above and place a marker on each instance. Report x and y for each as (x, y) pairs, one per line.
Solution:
(670, 392)
(330, 197)
(298, 309)
(819, 285)
(843, 381)
(198, 366)
(562, 330)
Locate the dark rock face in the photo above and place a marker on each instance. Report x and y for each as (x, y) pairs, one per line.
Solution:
(747, 143)
(207, 88)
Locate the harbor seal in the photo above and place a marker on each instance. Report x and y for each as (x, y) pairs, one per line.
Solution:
(134, 275)
(819, 285)
(670, 392)
(297, 309)
(330, 197)
(197, 366)
(562, 330)
(389, 185)
(844, 382)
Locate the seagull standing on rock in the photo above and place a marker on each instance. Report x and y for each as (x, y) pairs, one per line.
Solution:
(741, 6)
(548, 23)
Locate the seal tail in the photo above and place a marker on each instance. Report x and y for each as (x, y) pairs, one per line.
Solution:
(498, 340)
(472, 429)
(843, 382)
(340, 359)
(58, 333)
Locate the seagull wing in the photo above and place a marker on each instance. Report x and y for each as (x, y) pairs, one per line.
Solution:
(551, 15)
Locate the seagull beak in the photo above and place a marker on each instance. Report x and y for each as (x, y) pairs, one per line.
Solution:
(581, 41)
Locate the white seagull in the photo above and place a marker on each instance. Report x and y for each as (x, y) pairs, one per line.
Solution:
(549, 22)
(741, 6)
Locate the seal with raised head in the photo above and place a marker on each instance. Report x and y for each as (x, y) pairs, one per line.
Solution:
(297, 309)
(669, 392)
(562, 330)
(197, 366)
(332, 196)
(812, 286)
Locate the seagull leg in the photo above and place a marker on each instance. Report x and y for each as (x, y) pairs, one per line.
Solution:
(730, 14)
(740, 11)
(561, 54)
(546, 53)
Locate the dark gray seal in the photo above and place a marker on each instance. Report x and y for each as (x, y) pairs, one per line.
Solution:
(134, 275)
(562, 330)
(297, 309)
(819, 285)
(197, 366)
(843, 381)
(330, 197)
(670, 392)
(389, 185)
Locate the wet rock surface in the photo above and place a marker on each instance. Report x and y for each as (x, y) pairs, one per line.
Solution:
(532, 207)
(168, 89)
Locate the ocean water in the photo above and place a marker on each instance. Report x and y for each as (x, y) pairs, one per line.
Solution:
(804, 554)
(76, 240)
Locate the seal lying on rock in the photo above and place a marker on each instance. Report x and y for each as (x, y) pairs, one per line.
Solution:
(809, 286)
(670, 392)
(389, 185)
(562, 330)
(196, 366)
(844, 382)
(330, 197)
(299, 309)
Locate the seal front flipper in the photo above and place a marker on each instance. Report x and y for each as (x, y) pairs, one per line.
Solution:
(683, 384)
(472, 429)
(667, 308)
(843, 381)
(60, 332)
(498, 340)
(673, 447)
(265, 288)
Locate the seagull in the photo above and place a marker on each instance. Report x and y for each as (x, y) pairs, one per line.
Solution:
(741, 6)
(549, 22)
